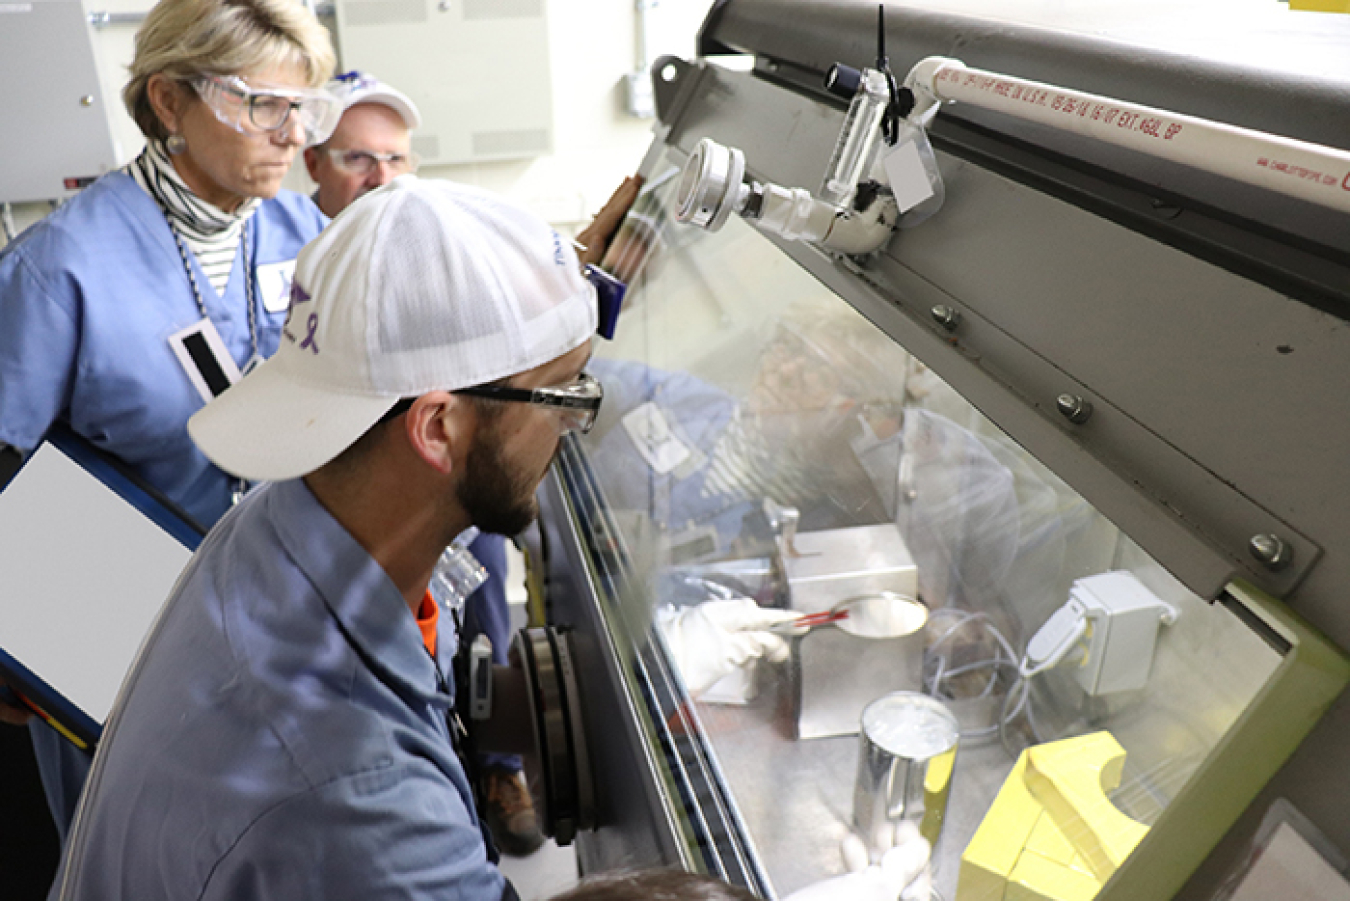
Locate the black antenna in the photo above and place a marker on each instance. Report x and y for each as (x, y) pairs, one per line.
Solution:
(882, 63)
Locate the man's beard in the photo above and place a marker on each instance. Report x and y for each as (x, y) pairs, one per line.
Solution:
(497, 500)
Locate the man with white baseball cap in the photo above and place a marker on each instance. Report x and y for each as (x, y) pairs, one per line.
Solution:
(283, 734)
(371, 146)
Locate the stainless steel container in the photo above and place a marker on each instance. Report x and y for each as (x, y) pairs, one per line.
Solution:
(906, 754)
(838, 669)
(827, 567)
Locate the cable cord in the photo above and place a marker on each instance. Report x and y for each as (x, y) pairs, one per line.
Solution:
(1017, 700)
(1005, 658)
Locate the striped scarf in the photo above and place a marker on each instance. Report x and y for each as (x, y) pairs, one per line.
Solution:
(210, 233)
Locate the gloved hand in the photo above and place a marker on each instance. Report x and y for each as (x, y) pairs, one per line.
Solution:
(904, 873)
(711, 640)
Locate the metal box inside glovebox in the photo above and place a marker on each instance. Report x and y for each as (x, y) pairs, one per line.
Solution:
(833, 565)
(836, 670)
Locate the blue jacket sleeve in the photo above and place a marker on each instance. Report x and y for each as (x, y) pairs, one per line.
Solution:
(39, 340)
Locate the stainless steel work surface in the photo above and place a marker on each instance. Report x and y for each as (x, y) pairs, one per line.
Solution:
(796, 797)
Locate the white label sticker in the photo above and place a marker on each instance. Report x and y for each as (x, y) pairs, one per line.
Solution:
(909, 179)
(274, 283)
(204, 358)
(650, 431)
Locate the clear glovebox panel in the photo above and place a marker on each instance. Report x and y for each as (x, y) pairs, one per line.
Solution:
(764, 453)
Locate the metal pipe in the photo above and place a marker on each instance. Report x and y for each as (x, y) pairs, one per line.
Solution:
(1310, 172)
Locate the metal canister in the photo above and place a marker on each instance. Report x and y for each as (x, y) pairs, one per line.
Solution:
(907, 750)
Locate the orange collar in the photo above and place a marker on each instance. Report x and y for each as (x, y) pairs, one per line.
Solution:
(427, 617)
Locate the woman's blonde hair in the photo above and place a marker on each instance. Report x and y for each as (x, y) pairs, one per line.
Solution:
(186, 38)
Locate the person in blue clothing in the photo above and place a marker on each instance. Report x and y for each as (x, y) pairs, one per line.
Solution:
(122, 312)
(284, 733)
(371, 146)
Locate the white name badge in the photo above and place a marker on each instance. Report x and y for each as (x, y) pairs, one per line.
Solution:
(205, 359)
(274, 284)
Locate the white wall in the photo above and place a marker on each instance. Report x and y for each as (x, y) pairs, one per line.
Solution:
(593, 43)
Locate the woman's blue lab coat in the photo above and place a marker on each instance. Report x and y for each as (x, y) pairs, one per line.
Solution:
(88, 299)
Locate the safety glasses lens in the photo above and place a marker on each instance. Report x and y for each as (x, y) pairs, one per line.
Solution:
(579, 421)
(268, 111)
(364, 162)
(320, 114)
(233, 102)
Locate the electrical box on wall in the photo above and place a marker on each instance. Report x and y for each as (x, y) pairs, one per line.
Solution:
(56, 136)
(477, 69)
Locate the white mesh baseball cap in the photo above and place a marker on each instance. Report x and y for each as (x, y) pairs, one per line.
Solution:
(419, 286)
(362, 87)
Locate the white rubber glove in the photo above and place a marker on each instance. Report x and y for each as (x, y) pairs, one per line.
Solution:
(903, 874)
(711, 640)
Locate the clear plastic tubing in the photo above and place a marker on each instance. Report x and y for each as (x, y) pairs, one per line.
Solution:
(857, 141)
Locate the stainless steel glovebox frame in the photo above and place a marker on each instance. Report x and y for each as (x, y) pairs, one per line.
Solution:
(1212, 343)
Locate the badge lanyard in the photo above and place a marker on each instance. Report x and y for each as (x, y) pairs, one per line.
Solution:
(249, 290)
(240, 485)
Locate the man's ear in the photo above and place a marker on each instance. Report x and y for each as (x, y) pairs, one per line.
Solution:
(439, 427)
(312, 163)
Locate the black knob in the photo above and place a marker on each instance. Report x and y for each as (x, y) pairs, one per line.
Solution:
(842, 81)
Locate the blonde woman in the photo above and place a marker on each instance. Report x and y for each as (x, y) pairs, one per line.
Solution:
(107, 304)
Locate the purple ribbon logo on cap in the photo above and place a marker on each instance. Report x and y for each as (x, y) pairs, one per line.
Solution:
(300, 295)
(312, 325)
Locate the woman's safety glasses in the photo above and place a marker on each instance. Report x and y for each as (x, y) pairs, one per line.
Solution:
(578, 401)
(269, 109)
(363, 162)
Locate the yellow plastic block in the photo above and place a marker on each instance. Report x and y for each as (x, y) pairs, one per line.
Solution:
(938, 776)
(1070, 778)
(1052, 834)
(1079, 864)
(1321, 6)
(1037, 879)
(993, 852)
(1049, 842)
(937, 784)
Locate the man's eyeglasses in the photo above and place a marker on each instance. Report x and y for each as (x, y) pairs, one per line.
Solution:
(364, 162)
(578, 401)
(268, 109)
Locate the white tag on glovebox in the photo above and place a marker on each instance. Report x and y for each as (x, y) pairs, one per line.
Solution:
(651, 433)
(908, 177)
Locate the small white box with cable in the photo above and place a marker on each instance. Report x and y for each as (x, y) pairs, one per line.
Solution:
(1114, 619)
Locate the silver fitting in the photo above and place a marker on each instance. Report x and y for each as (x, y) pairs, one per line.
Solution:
(945, 316)
(1271, 551)
(1074, 408)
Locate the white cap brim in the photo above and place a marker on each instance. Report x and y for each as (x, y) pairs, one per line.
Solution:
(270, 427)
(395, 100)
